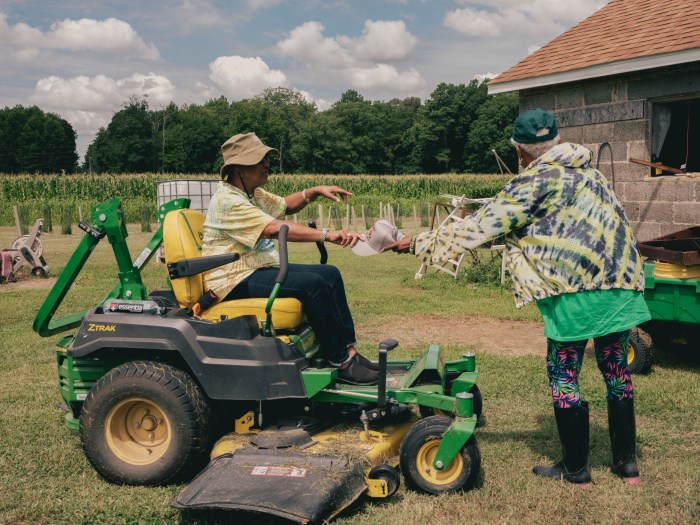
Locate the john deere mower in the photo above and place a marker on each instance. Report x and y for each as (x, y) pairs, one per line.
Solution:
(149, 386)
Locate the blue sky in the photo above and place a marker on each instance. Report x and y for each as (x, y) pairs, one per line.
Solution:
(83, 59)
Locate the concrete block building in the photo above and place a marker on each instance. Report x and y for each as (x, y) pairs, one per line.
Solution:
(625, 82)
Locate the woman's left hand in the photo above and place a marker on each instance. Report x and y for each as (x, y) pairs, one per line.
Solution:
(334, 193)
(344, 238)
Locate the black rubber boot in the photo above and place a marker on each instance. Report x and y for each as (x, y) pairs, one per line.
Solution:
(572, 424)
(623, 437)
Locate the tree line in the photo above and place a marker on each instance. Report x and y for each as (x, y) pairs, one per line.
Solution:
(32, 141)
(453, 131)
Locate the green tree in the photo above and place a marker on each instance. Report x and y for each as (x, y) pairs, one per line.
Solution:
(276, 116)
(36, 142)
(356, 136)
(492, 130)
(127, 144)
(440, 133)
(189, 138)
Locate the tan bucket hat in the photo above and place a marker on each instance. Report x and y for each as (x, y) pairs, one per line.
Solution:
(244, 149)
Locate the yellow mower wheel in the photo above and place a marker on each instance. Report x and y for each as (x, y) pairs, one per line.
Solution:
(137, 431)
(145, 423)
(418, 450)
(424, 463)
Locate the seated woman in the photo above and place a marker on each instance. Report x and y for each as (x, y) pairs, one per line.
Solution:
(243, 218)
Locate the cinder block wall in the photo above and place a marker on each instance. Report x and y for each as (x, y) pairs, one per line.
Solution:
(618, 110)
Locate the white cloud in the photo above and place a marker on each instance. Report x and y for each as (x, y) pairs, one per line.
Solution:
(358, 62)
(86, 35)
(307, 43)
(537, 18)
(483, 76)
(380, 76)
(241, 77)
(100, 92)
(382, 40)
(89, 103)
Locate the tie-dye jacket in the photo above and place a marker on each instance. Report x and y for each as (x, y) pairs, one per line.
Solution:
(565, 231)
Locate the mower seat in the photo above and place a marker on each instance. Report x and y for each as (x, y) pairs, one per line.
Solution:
(183, 231)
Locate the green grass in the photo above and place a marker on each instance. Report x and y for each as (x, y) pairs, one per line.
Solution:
(45, 478)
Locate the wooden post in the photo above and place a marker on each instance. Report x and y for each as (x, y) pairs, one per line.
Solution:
(347, 216)
(415, 218)
(320, 216)
(381, 209)
(17, 221)
(364, 221)
(80, 213)
(354, 218)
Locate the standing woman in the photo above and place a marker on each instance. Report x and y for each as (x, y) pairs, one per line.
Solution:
(570, 249)
(243, 218)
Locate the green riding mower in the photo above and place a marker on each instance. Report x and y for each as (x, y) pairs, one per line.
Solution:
(150, 387)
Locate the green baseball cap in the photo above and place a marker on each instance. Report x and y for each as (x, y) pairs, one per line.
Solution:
(529, 123)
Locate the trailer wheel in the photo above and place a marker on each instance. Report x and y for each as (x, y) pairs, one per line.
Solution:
(640, 352)
(418, 451)
(144, 423)
(478, 404)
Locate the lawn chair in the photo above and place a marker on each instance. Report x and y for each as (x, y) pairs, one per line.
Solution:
(456, 212)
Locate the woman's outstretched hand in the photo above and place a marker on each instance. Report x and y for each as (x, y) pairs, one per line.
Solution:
(334, 193)
(344, 238)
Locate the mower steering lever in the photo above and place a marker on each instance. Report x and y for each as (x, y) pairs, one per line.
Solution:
(321, 248)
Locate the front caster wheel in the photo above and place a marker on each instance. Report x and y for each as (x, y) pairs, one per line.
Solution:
(144, 423)
(418, 451)
(388, 474)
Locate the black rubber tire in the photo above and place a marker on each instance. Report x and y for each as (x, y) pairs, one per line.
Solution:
(419, 447)
(179, 418)
(388, 473)
(478, 405)
(640, 352)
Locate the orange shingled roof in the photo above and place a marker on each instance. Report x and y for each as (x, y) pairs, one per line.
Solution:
(621, 30)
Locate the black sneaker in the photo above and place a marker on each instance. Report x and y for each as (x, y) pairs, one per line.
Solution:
(357, 373)
(366, 362)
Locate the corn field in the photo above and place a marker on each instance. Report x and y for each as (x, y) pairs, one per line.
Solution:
(34, 194)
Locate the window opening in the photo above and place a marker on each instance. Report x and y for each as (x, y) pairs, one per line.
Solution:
(676, 136)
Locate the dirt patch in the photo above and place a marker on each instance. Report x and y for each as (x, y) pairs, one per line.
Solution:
(28, 282)
(512, 338)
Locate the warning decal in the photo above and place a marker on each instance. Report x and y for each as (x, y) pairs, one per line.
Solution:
(284, 472)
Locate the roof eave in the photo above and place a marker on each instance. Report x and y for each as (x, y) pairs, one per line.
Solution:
(600, 70)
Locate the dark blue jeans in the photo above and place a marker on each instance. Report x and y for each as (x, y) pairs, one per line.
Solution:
(320, 289)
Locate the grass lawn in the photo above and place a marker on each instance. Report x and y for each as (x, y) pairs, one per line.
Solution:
(45, 478)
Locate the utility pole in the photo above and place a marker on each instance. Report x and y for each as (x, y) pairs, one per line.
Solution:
(162, 157)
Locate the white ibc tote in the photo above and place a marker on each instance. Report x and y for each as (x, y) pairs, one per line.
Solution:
(198, 191)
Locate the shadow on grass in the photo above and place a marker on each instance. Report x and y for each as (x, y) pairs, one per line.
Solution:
(544, 441)
(678, 356)
(226, 517)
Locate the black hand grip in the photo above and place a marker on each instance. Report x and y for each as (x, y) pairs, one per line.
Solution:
(196, 265)
(321, 248)
(284, 261)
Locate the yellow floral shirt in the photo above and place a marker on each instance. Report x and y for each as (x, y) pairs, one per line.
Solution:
(234, 224)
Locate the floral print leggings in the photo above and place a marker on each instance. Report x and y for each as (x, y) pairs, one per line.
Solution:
(564, 361)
